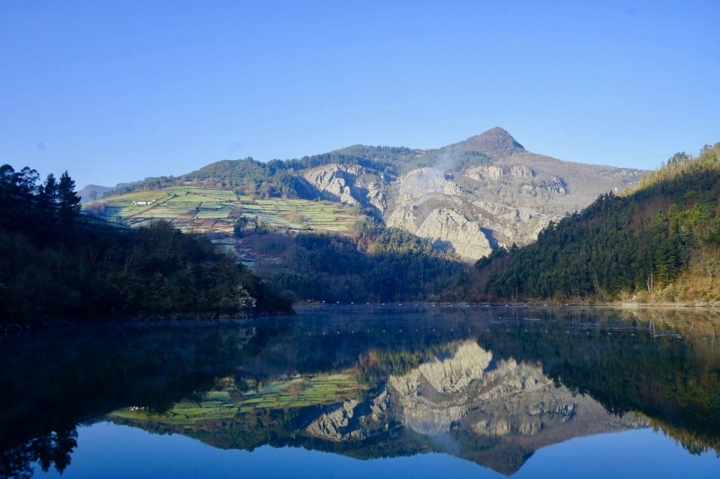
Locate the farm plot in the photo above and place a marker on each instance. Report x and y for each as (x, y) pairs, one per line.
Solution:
(198, 209)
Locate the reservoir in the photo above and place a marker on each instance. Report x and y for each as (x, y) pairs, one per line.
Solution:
(368, 391)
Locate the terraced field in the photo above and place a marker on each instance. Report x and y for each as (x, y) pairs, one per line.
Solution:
(292, 393)
(197, 209)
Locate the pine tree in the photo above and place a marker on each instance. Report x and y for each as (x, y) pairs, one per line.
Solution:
(68, 201)
(48, 195)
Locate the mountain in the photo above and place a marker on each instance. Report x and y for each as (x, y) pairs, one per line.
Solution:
(660, 242)
(494, 143)
(89, 191)
(470, 197)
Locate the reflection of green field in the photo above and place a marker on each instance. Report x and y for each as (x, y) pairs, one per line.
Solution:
(214, 405)
(301, 392)
(194, 208)
(293, 393)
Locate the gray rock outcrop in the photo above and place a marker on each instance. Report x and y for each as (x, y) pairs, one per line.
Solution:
(335, 425)
(349, 184)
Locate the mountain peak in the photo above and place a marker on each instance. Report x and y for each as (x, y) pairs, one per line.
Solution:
(496, 142)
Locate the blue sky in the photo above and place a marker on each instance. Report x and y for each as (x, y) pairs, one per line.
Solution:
(118, 91)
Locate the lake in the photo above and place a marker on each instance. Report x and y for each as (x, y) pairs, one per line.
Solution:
(369, 391)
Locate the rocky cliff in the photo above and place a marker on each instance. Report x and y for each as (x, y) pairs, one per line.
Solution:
(350, 184)
(476, 195)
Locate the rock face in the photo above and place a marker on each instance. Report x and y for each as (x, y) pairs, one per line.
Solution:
(349, 184)
(507, 199)
(448, 227)
(485, 192)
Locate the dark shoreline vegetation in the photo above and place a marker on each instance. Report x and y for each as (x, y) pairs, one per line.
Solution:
(658, 243)
(58, 264)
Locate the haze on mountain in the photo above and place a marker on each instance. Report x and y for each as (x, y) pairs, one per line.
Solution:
(469, 197)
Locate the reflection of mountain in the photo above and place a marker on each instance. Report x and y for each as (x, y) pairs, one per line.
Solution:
(478, 383)
(509, 409)
(464, 403)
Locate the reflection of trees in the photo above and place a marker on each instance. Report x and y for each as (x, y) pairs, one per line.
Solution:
(47, 450)
(52, 382)
(674, 381)
(693, 442)
(91, 373)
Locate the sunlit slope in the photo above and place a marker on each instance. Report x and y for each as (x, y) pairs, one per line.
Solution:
(210, 210)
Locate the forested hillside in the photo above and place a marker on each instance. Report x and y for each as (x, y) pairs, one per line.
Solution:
(376, 265)
(660, 241)
(55, 263)
(276, 178)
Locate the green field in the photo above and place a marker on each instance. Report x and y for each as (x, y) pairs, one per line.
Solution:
(296, 392)
(192, 208)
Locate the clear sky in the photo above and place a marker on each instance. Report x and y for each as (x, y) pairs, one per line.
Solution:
(118, 91)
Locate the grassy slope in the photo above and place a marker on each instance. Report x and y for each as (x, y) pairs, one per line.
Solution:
(205, 210)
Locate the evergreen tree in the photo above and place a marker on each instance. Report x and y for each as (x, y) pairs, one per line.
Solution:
(68, 201)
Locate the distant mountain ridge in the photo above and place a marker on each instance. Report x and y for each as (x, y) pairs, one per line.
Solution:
(469, 197)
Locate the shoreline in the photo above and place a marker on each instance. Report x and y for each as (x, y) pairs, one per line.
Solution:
(50, 323)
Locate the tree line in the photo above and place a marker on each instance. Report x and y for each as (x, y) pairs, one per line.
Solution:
(660, 241)
(44, 211)
(55, 262)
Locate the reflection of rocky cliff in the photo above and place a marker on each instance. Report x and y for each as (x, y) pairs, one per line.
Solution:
(464, 402)
(494, 413)
(474, 383)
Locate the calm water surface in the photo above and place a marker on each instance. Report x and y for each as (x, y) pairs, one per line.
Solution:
(363, 391)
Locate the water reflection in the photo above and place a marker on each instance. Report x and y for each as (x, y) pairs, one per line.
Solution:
(488, 385)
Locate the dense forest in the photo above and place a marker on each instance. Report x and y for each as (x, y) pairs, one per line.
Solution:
(377, 264)
(56, 263)
(660, 241)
